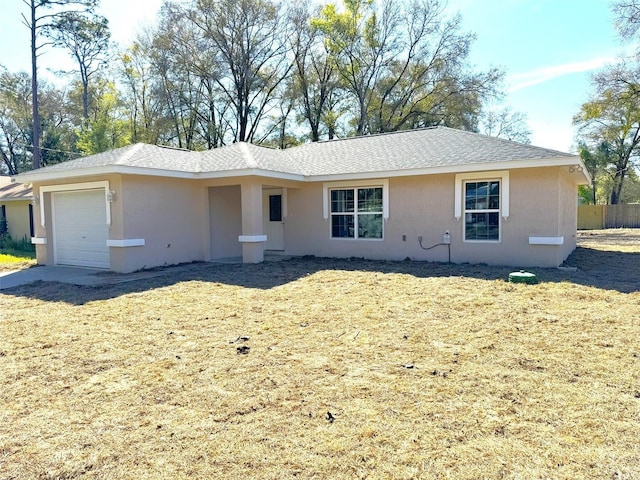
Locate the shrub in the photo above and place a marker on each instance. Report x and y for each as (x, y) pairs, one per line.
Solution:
(22, 245)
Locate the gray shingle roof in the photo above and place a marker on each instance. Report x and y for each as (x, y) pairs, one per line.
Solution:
(436, 147)
(13, 191)
(412, 149)
(138, 155)
(241, 156)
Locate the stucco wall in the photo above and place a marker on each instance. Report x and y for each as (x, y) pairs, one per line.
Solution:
(568, 217)
(424, 206)
(187, 220)
(225, 221)
(17, 212)
(168, 214)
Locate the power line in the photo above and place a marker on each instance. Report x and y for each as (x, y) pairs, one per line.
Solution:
(52, 150)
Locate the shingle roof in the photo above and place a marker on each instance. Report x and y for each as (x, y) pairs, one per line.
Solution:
(240, 156)
(138, 155)
(412, 149)
(13, 191)
(436, 147)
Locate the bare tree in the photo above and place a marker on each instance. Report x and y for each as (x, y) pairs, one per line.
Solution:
(403, 64)
(506, 123)
(249, 36)
(627, 18)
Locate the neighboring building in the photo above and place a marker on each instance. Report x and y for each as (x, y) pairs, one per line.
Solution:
(16, 209)
(375, 197)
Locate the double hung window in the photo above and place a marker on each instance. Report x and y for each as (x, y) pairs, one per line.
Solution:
(482, 210)
(356, 212)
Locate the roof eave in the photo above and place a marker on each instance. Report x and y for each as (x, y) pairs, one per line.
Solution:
(39, 177)
(252, 172)
(568, 161)
(28, 198)
(573, 162)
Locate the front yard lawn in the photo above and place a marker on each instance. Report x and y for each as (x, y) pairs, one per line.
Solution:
(318, 368)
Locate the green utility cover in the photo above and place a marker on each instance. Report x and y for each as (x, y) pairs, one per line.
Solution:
(523, 277)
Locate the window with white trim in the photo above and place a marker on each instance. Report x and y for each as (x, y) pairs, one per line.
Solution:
(356, 212)
(482, 210)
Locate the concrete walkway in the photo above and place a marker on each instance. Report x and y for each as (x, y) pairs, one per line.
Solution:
(76, 276)
(93, 277)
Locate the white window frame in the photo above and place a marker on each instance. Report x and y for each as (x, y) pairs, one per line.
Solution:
(459, 206)
(358, 184)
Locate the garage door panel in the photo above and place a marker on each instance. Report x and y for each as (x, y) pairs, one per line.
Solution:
(80, 229)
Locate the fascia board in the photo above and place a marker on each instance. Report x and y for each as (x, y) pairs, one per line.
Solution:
(17, 199)
(445, 169)
(252, 172)
(31, 177)
(37, 177)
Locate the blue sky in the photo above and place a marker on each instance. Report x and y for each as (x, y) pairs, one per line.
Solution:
(548, 48)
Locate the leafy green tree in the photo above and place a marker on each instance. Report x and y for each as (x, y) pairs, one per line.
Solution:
(611, 121)
(58, 128)
(57, 142)
(15, 121)
(43, 14)
(315, 77)
(86, 38)
(596, 160)
(107, 127)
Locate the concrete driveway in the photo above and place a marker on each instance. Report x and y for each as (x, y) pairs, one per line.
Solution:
(72, 275)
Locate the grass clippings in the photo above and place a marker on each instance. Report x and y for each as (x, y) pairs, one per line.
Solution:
(352, 369)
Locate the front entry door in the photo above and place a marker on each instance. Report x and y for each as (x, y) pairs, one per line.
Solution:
(272, 218)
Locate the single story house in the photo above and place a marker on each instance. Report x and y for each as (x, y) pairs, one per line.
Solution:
(388, 196)
(16, 209)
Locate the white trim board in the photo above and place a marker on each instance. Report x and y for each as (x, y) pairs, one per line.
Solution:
(502, 175)
(384, 183)
(126, 242)
(71, 187)
(252, 238)
(546, 240)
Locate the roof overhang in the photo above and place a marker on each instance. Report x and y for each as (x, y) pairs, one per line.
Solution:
(40, 177)
(574, 164)
(16, 199)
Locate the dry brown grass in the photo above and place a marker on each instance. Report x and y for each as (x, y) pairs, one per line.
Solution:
(508, 381)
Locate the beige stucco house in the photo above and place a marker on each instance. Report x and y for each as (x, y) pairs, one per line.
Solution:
(16, 208)
(389, 196)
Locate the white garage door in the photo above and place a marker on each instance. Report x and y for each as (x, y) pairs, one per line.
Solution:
(80, 228)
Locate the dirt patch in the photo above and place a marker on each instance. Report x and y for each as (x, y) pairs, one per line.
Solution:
(614, 237)
(608, 259)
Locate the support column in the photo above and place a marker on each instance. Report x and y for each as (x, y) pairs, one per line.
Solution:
(253, 236)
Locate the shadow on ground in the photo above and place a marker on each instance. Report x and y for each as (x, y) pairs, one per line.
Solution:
(605, 269)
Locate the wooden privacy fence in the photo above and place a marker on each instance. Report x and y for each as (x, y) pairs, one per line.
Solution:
(595, 217)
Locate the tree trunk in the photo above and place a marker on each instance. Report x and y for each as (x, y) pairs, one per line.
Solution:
(34, 90)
